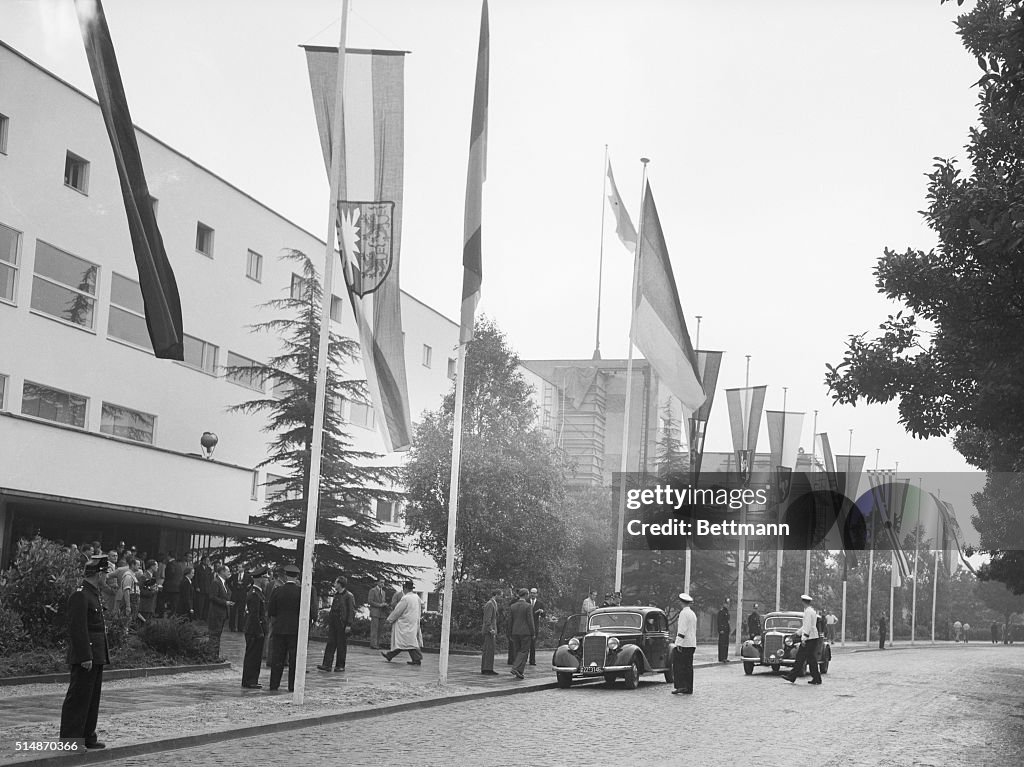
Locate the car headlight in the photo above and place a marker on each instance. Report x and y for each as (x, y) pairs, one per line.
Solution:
(613, 644)
(574, 644)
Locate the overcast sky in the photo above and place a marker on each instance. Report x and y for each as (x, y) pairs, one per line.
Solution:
(788, 144)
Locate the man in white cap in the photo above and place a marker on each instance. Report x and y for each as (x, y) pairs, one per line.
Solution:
(809, 640)
(684, 647)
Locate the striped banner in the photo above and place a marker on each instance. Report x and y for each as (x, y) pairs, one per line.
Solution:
(156, 279)
(370, 214)
(472, 264)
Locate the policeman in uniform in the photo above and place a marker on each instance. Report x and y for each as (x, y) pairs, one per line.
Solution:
(809, 640)
(255, 629)
(283, 607)
(724, 629)
(683, 648)
(87, 655)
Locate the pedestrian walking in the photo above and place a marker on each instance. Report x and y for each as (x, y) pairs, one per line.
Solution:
(754, 623)
(283, 607)
(724, 629)
(522, 630)
(220, 605)
(683, 648)
(343, 612)
(86, 655)
(405, 627)
(378, 600)
(809, 642)
(967, 632)
(538, 616)
(957, 628)
(255, 630)
(490, 633)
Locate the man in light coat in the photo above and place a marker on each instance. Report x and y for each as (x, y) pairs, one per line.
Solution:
(405, 627)
(684, 647)
(490, 632)
(809, 640)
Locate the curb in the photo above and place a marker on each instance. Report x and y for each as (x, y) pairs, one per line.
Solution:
(190, 741)
(121, 673)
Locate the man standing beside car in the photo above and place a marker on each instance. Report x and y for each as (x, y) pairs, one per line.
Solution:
(684, 647)
(809, 641)
(754, 623)
(522, 630)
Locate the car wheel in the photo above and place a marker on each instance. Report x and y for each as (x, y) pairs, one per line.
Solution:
(609, 678)
(748, 668)
(564, 680)
(668, 674)
(633, 676)
(775, 668)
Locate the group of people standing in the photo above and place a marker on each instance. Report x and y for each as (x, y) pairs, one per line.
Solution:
(524, 616)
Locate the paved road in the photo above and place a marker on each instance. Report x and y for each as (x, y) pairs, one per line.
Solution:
(936, 707)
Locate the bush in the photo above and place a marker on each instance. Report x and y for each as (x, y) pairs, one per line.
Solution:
(38, 586)
(13, 637)
(175, 637)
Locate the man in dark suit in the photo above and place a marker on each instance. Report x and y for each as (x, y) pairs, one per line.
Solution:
(754, 622)
(538, 616)
(186, 597)
(255, 630)
(490, 632)
(724, 629)
(238, 585)
(174, 571)
(202, 583)
(283, 607)
(220, 605)
(343, 612)
(522, 630)
(86, 655)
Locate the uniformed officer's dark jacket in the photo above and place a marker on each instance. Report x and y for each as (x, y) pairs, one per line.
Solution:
(255, 613)
(723, 620)
(87, 639)
(283, 607)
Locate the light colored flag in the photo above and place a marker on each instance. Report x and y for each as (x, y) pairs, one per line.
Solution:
(472, 262)
(623, 223)
(745, 408)
(370, 214)
(660, 329)
(784, 429)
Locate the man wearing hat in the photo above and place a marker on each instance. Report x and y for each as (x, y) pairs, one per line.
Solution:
(87, 655)
(405, 627)
(283, 607)
(255, 629)
(684, 647)
(724, 629)
(809, 640)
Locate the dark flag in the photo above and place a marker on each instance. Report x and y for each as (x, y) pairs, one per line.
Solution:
(472, 267)
(159, 290)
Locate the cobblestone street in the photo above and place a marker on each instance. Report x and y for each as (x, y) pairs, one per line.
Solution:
(939, 707)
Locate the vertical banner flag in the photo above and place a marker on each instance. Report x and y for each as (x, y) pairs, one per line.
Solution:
(660, 329)
(784, 429)
(370, 214)
(952, 538)
(745, 408)
(708, 365)
(623, 223)
(472, 262)
(156, 279)
(853, 526)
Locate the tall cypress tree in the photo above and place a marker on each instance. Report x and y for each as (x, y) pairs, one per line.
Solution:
(349, 538)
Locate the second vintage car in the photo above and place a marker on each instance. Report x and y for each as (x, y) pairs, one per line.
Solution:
(614, 642)
(778, 642)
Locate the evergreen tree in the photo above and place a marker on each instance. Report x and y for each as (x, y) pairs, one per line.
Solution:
(349, 539)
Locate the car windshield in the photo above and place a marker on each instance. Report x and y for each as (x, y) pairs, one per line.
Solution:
(615, 621)
(783, 623)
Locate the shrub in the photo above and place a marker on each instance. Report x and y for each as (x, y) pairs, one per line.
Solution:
(38, 586)
(176, 637)
(13, 637)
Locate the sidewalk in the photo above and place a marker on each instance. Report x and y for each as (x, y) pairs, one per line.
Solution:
(160, 713)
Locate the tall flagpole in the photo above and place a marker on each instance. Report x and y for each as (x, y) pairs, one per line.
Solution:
(600, 258)
(935, 574)
(741, 559)
(917, 545)
(624, 463)
(892, 565)
(316, 448)
(807, 555)
(778, 554)
(688, 551)
(849, 491)
(871, 553)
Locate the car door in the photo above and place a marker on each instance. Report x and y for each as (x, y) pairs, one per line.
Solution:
(656, 640)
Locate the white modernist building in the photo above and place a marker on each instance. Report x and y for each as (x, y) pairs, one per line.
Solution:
(99, 440)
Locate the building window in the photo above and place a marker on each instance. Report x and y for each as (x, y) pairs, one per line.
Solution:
(127, 319)
(451, 368)
(254, 266)
(200, 354)
(53, 405)
(127, 423)
(3, 392)
(244, 372)
(298, 287)
(4, 122)
(389, 512)
(76, 173)
(204, 239)
(428, 354)
(277, 489)
(360, 414)
(64, 286)
(335, 308)
(10, 246)
(254, 488)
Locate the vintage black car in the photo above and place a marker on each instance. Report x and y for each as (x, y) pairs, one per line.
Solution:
(778, 642)
(614, 642)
